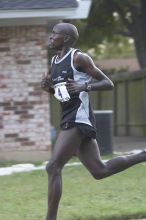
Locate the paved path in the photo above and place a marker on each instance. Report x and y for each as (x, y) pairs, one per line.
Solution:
(128, 144)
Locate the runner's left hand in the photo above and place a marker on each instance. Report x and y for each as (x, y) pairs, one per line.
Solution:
(74, 87)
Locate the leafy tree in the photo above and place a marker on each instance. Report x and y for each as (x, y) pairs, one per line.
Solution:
(109, 18)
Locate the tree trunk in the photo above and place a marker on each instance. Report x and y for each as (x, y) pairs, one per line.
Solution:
(139, 34)
(140, 47)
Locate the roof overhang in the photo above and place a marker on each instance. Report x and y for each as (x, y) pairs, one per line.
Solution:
(43, 16)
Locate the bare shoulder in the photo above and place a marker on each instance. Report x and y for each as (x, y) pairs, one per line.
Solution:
(83, 62)
(81, 56)
(82, 59)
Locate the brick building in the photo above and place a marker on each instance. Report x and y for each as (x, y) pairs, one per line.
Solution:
(25, 128)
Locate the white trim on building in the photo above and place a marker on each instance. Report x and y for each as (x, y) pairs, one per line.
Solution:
(42, 16)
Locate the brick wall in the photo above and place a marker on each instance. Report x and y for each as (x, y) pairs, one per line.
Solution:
(24, 107)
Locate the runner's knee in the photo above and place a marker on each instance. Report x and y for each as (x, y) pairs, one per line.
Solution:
(52, 168)
(100, 173)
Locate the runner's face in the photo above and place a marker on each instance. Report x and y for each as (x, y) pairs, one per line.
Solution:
(56, 39)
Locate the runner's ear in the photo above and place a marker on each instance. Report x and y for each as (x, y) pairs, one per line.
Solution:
(66, 38)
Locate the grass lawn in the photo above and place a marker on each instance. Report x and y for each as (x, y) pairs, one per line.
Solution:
(23, 196)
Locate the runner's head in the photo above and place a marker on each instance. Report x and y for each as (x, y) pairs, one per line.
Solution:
(63, 34)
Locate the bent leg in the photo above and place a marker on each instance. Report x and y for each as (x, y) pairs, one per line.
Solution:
(89, 155)
(66, 146)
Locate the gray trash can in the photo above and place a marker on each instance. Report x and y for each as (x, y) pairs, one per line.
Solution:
(104, 125)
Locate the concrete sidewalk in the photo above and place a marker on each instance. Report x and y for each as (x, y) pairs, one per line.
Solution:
(128, 144)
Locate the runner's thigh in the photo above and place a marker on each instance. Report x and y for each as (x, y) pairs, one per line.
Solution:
(89, 155)
(66, 145)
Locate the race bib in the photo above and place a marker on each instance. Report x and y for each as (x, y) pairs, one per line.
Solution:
(61, 92)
